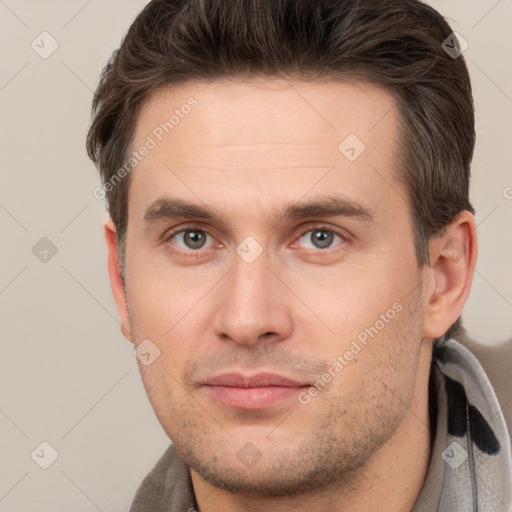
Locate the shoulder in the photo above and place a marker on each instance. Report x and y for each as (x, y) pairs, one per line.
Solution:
(496, 360)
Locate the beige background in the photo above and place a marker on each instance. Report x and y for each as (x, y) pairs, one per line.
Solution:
(68, 376)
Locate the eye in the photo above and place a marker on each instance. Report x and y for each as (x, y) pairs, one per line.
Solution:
(320, 238)
(190, 239)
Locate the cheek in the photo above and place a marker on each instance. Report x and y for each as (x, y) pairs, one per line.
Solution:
(160, 299)
(352, 300)
(158, 313)
(172, 406)
(367, 320)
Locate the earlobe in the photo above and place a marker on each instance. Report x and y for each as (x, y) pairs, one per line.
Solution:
(116, 281)
(453, 259)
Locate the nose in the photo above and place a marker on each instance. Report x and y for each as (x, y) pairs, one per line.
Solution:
(252, 305)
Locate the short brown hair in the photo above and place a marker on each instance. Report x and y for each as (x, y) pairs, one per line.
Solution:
(397, 44)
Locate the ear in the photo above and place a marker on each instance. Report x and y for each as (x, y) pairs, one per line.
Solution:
(452, 263)
(116, 282)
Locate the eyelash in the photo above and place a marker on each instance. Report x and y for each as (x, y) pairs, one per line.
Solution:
(297, 236)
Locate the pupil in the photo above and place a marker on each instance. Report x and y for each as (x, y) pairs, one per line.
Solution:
(322, 239)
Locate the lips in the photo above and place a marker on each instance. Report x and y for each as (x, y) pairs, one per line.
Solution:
(237, 380)
(259, 391)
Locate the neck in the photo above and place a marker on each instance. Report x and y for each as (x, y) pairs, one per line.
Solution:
(392, 480)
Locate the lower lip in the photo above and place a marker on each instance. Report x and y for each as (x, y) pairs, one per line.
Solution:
(253, 398)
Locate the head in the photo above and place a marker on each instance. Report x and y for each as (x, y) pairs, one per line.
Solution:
(319, 157)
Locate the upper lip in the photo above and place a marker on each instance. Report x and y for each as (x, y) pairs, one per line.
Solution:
(259, 380)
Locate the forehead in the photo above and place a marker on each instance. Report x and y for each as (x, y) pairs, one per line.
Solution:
(278, 111)
(269, 133)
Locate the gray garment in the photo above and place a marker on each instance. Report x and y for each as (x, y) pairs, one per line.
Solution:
(167, 487)
(470, 467)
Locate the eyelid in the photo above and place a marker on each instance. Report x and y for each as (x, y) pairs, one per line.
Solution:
(321, 226)
(171, 233)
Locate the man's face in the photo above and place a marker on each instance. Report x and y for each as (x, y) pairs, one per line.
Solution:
(268, 285)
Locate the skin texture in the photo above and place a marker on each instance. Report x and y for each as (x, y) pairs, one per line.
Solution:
(248, 150)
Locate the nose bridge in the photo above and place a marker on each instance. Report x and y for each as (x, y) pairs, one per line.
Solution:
(251, 304)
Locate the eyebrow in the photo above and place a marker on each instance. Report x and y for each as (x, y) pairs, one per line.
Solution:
(167, 208)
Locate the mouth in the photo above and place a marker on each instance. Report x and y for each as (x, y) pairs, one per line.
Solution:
(259, 391)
